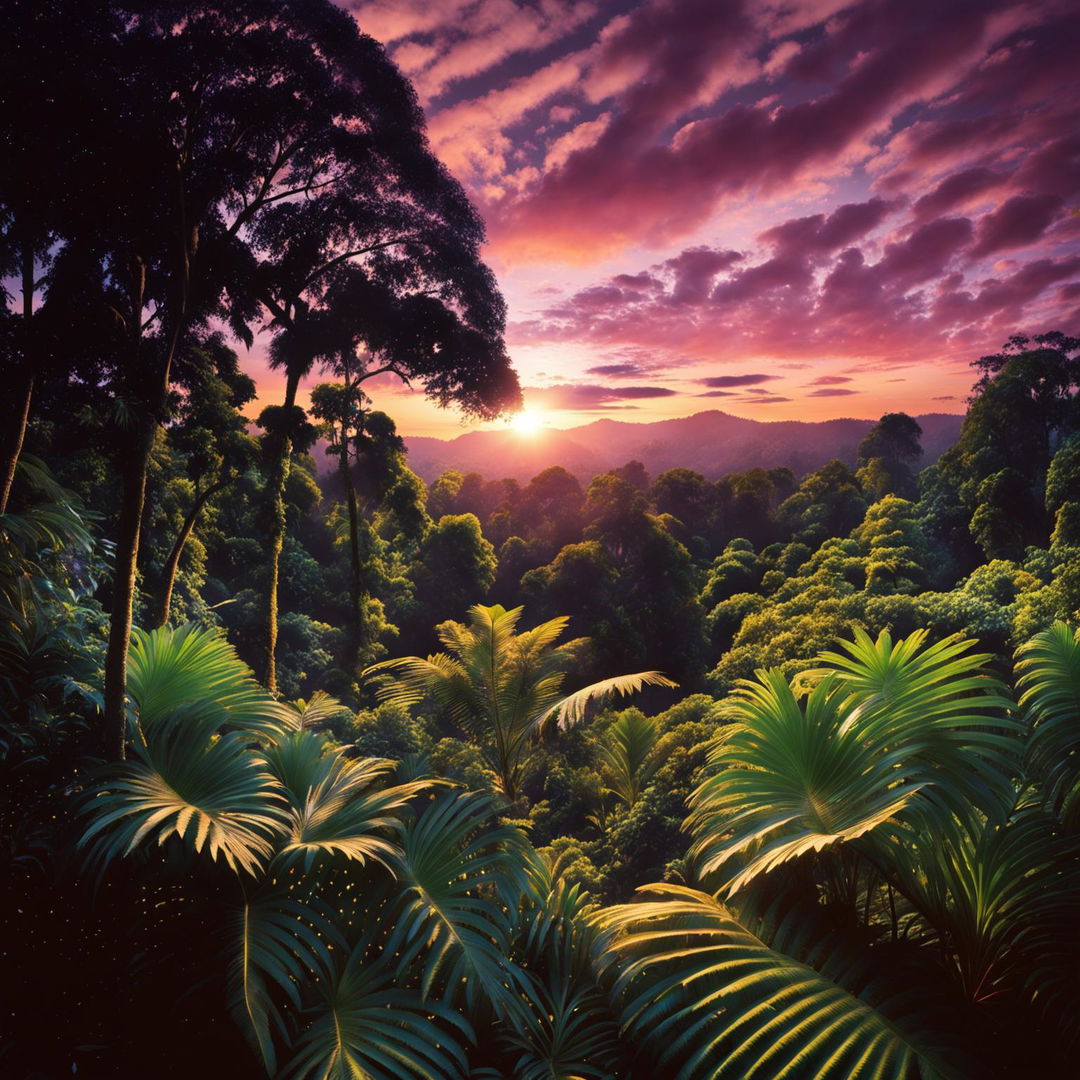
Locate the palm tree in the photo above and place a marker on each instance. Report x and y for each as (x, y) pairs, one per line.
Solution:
(883, 888)
(364, 922)
(628, 756)
(502, 687)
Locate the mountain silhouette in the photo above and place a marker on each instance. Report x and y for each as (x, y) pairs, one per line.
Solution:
(712, 443)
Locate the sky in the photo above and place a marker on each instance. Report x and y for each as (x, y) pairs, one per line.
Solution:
(785, 210)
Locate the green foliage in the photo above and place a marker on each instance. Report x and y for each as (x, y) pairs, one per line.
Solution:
(889, 736)
(712, 999)
(500, 686)
(628, 758)
(887, 457)
(1048, 667)
(455, 564)
(829, 502)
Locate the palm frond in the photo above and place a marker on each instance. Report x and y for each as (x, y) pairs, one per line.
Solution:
(939, 700)
(1049, 667)
(318, 709)
(628, 756)
(1005, 899)
(338, 806)
(170, 667)
(281, 943)
(462, 875)
(574, 708)
(409, 679)
(212, 793)
(711, 999)
(368, 1025)
(791, 779)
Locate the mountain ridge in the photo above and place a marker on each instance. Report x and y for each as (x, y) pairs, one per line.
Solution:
(711, 442)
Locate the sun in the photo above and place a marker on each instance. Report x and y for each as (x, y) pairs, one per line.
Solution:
(527, 422)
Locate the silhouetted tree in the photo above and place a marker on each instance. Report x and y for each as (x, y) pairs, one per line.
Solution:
(888, 457)
(211, 434)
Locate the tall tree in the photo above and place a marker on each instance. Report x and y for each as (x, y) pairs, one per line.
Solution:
(1023, 408)
(242, 159)
(210, 434)
(888, 456)
(377, 271)
(55, 79)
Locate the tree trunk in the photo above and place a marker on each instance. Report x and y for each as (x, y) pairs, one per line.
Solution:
(173, 562)
(134, 470)
(24, 385)
(279, 475)
(133, 501)
(355, 589)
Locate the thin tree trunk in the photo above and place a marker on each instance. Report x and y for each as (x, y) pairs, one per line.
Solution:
(279, 476)
(356, 594)
(173, 562)
(133, 501)
(136, 465)
(133, 497)
(24, 389)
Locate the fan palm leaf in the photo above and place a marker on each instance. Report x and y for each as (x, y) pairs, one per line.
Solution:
(1004, 898)
(939, 701)
(170, 667)
(890, 737)
(1049, 667)
(212, 793)
(338, 806)
(711, 999)
(461, 877)
(792, 778)
(369, 1025)
(562, 1026)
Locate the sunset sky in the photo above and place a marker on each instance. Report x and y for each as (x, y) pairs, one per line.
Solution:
(802, 209)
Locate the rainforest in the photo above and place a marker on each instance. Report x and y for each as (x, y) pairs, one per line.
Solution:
(728, 737)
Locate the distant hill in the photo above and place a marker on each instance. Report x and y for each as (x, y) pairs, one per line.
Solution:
(713, 443)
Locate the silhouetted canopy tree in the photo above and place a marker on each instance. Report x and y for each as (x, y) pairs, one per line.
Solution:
(888, 456)
(263, 163)
(51, 187)
(376, 269)
(1024, 408)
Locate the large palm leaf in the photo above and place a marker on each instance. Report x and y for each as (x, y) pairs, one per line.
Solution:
(1049, 666)
(338, 806)
(791, 778)
(171, 667)
(282, 943)
(574, 708)
(885, 739)
(938, 701)
(212, 792)
(461, 876)
(368, 1024)
(711, 999)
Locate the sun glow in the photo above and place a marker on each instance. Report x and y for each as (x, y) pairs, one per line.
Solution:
(527, 422)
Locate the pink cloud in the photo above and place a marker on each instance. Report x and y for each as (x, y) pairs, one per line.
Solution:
(1018, 222)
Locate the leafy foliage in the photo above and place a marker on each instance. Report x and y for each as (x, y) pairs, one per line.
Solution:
(500, 686)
